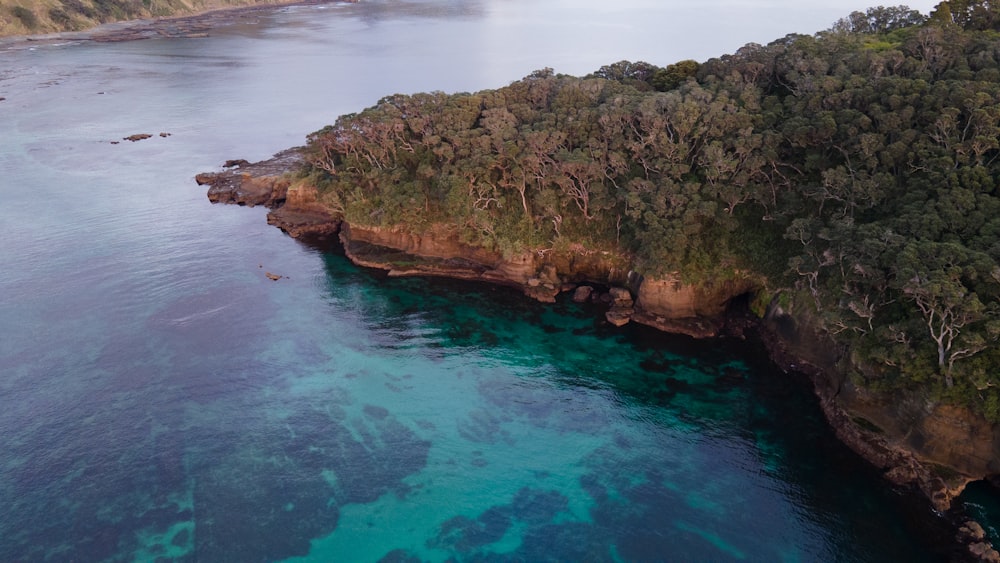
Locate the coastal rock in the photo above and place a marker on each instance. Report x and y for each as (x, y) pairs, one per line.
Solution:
(695, 327)
(983, 551)
(296, 208)
(939, 449)
(302, 214)
(435, 245)
(260, 183)
(620, 297)
(671, 298)
(619, 316)
(299, 210)
(954, 436)
(972, 530)
(582, 294)
(668, 304)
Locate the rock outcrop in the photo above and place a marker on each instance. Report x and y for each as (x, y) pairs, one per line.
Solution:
(260, 183)
(666, 304)
(295, 208)
(938, 449)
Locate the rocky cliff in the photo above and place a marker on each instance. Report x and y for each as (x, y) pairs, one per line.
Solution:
(663, 302)
(936, 448)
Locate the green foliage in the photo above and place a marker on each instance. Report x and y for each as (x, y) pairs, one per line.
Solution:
(967, 14)
(879, 20)
(855, 172)
(674, 75)
(114, 10)
(60, 17)
(27, 17)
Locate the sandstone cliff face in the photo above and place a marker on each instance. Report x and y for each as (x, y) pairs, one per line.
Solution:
(936, 448)
(699, 310)
(298, 209)
(955, 437)
(669, 297)
(439, 252)
(303, 214)
(952, 445)
(666, 303)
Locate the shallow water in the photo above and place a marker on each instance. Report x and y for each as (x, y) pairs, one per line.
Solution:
(163, 398)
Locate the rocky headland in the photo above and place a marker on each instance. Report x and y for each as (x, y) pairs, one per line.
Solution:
(935, 448)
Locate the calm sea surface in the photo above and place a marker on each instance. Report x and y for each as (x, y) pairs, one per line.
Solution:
(161, 398)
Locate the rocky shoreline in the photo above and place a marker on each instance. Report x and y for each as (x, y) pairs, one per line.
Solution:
(664, 304)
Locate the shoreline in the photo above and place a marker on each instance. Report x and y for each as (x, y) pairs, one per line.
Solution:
(296, 210)
(959, 529)
(180, 26)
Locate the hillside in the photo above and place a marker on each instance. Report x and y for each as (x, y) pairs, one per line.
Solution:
(29, 17)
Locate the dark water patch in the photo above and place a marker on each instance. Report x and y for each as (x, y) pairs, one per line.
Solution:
(267, 510)
(536, 506)
(400, 556)
(276, 496)
(731, 378)
(197, 325)
(463, 534)
(469, 538)
(981, 501)
(484, 427)
(657, 365)
(571, 541)
(376, 412)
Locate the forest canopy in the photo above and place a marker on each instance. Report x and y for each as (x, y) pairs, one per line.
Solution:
(855, 170)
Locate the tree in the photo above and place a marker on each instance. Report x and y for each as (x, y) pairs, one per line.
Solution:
(879, 20)
(674, 75)
(932, 275)
(627, 72)
(968, 14)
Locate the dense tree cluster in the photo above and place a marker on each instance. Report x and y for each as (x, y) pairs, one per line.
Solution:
(855, 170)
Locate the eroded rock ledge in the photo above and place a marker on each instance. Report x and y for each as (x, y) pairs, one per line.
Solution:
(295, 208)
(665, 303)
(934, 448)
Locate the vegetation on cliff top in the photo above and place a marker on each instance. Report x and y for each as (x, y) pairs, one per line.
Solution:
(855, 169)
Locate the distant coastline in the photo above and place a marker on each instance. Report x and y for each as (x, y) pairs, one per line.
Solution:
(180, 24)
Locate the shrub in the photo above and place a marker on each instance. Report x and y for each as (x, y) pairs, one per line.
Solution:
(27, 17)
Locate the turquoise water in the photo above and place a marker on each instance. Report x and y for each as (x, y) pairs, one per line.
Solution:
(163, 399)
(339, 416)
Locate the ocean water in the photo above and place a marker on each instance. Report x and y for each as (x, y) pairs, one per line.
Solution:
(164, 400)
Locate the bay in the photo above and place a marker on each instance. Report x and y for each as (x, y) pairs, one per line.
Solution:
(162, 398)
